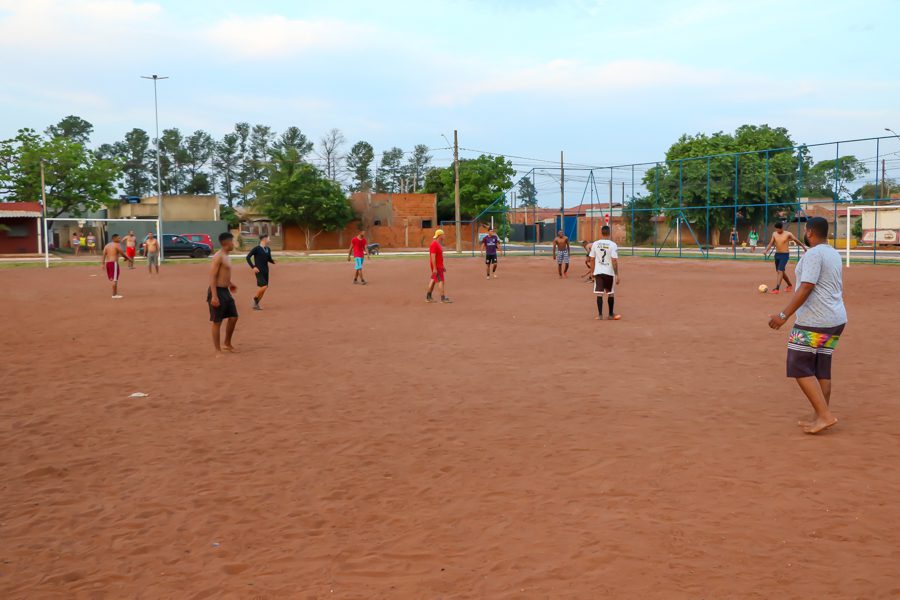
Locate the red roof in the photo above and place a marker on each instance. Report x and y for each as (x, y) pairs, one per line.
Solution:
(20, 210)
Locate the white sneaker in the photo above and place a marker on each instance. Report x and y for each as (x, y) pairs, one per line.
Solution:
(117, 296)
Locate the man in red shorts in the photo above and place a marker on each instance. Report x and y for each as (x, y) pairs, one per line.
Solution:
(436, 258)
(130, 248)
(110, 261)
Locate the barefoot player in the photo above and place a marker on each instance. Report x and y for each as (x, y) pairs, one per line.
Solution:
(130, 248)
(110, 261)
(359, 248)
(436, 258)
(151, 249)
(604, 258)
(781, 240)
(561, 251)
(821, 317)
(221, 303)
(489, 246)
(259, 258)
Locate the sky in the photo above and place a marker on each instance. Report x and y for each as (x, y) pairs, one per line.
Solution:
(608, 82)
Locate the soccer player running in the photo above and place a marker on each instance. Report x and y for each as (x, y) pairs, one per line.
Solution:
(151, 247)
(821, 317)
(489, 246)
(110, 261)
(130, 248)
(438, 272)
(781, 240)
(218, 295)
(604, 258)
(259, 258)
(588, 277)
(359, 249)
(561, 251)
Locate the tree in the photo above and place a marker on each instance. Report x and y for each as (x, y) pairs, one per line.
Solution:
(198, 150)
(226, 165)
(482, 181)
(527, 194)
(296, 139)
(388, 179)
(77, 181)
(294, 192)
(245, 171)
(172, 160)
(834, 174)
(135, 156)
(689, 181)
(359, 164)
(72, 127)
(638, 210)
(330, 148)
(870, 191)
(417, 167)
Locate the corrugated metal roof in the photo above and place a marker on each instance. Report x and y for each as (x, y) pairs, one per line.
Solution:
(16, 214)
(17, 210)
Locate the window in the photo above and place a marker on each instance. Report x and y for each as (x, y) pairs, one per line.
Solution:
(377, 222)
(426, 223)
(17, 230)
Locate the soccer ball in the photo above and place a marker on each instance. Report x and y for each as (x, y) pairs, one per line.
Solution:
(763, 288)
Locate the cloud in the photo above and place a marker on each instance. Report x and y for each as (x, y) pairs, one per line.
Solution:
(576, 78)
(53, 25)
(275, 36)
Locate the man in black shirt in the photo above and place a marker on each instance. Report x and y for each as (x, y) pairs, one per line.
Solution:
(259, 259)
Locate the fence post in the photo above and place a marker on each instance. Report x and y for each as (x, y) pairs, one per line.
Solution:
(680, 204)
(734, 206)
(632, 211)
(877, 197)
(837, 175)
(707, 207)
(655, 200)
(766, 216)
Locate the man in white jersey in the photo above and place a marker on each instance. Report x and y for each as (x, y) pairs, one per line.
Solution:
(604, 257)
(821, 317)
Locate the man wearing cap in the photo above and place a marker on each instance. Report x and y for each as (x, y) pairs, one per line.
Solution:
(436, 258)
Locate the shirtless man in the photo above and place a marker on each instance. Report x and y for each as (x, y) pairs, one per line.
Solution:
(221, 303)
(110, 261)
(781, 240)
(561, 252)
(130, 247)
(151, 247)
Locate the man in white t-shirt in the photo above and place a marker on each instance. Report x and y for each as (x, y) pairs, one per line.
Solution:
(821, 317)
(604, 257)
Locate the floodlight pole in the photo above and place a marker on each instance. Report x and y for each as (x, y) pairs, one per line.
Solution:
(159, 201)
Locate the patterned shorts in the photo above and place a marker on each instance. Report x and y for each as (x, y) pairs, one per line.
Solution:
(810, 349)
(562, 257)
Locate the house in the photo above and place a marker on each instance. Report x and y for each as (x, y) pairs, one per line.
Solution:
(392, 220)
(176, 207)
(20, 228)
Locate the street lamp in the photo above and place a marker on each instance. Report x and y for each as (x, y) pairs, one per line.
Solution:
(159, 201)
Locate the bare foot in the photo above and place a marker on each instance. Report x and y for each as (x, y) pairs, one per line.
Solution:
(820, 425)
(598, 318)
(808, 421)
(615, 317)
(219, 354)
(229, 349)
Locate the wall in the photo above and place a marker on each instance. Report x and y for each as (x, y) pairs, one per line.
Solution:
(387, 236)
(22, 237)
(183, 207)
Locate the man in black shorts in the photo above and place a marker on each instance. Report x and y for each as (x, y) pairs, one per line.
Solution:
(218, 295)
(259, 259)
(489, 248)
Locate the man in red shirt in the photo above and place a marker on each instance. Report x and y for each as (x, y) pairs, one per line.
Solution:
(359, 248)
(436, 258)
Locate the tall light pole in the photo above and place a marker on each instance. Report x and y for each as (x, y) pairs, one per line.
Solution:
(885, 188)
(456, 191)
(159, 200)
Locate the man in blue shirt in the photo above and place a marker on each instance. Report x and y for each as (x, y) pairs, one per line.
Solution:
(489, 246)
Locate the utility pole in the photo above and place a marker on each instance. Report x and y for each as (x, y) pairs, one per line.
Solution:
(884, 187)
(456, 191)
(159, 201)
(562, 193)
(44, 233)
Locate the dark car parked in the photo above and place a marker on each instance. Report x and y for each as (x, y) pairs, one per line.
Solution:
(176, 245)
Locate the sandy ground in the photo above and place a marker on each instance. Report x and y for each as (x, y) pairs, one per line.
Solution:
(365, 444)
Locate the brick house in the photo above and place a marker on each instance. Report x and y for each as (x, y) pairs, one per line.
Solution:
(20, 225)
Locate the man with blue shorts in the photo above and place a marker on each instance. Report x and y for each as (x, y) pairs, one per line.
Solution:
(781, 240)
(359, 248)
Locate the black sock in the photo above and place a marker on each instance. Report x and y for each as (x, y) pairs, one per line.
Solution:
(611, 301)
(600, 305)
(256, 300)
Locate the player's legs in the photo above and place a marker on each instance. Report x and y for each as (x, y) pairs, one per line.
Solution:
(430, 289)
(566, 270)
(787, 280)
(362, 277)
(813, 391)
(260, 292)
(487, 266)
(229, 332)
(216, 336)
(599, 306)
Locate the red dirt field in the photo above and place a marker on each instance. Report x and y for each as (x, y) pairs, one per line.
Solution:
(365, 444)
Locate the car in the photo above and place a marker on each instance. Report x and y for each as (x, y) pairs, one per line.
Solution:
(200, 238)
(177, 245)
